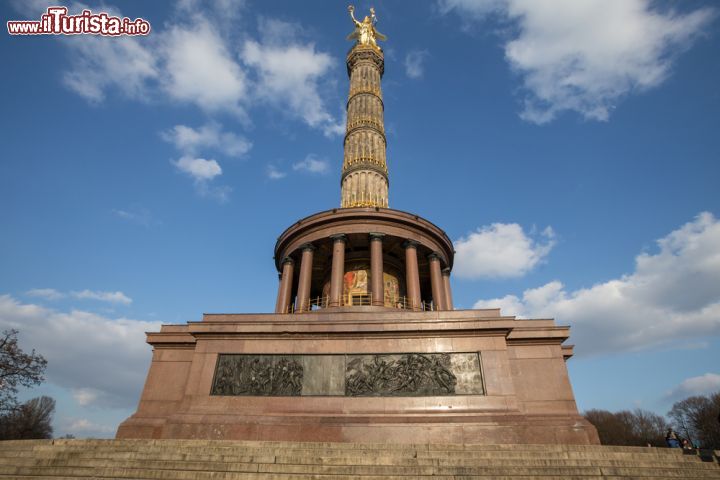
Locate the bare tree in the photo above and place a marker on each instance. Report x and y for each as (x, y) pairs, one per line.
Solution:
(610, 428)
(33, 419)
(698, 418)
(17, 369)
(639, 427)
(649, 427)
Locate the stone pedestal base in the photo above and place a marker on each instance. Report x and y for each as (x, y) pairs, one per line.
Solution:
(505, 429)
(389, 376)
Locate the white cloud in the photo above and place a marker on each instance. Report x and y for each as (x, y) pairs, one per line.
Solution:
(274, 174)
(52, 294)
(672, 296)
(415, 63)
(31, 9)
(85, 425)
(190, 63)
(195, 61)
(98, 64)
(101, 63)
(104, 359)
(199, 169)
(289, 74)
(46, 293)
(220, 10)
(84, 428)
(203, 172)
(201, 70)
(701, 385)
(111, 297)
(189, 140)
(476, 8)
(138, 215)
(220, 193)
(312, 164)
(586, 56)
(85, 396)
(500, 250)
(533, 300)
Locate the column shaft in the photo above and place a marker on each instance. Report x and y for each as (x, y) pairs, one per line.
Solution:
(303, 293)
(436, 282)
(446, 286)
(365, 157)
(412, 275)
(285, 288)
(338, 270)
(376, 269)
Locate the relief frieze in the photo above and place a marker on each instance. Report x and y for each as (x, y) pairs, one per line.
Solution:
(271, 375)
(409, 374)
(351, 375)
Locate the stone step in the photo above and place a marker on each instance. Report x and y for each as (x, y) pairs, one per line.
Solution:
(184, 470)
(342, 477)
(261, 476)
(659, 472)
(170, 443)
(123, 473)
(317, 467)
(357, 459)
(92, 457)
(518, 452)
(187, 459)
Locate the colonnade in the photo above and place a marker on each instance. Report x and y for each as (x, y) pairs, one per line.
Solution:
(439, 277)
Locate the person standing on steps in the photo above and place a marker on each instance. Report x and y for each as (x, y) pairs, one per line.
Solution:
(671, 439)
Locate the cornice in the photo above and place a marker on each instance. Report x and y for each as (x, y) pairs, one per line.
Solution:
(365, 53)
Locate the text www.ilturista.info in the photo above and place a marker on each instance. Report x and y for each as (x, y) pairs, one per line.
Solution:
(56, 21)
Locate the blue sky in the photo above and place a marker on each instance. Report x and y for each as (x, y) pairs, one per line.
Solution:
(570, 150)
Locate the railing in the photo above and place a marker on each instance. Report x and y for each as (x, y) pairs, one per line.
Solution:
(319, 303)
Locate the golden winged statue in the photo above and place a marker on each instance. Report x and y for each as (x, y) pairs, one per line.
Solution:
(365, 31)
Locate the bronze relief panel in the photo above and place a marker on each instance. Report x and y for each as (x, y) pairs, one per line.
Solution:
(350, 375)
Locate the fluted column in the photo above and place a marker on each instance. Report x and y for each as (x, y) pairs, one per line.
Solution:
(303, 293)
(364, 180)
(412, 274)
(338, 270)
(376, 269)
(436, 282)
(446, 286)
(285, 288)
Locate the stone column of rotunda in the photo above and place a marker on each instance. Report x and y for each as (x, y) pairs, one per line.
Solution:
(306, 264)
(338, 269)
(285, 289)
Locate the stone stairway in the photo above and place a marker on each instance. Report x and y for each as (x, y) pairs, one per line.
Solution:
(219, 460)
